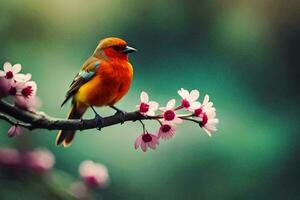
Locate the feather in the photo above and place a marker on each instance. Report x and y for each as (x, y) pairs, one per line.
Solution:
(87, 71)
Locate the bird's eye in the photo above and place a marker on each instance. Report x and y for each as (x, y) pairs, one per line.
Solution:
(117, 48)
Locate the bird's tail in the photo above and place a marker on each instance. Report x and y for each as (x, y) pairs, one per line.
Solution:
(65, 137)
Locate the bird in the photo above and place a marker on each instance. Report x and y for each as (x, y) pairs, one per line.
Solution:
(104, 79)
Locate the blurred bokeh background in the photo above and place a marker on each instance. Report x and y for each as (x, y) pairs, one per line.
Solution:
(244, 54)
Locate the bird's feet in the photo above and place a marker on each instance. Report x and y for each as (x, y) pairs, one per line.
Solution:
(120, 113)
(99, 119)
(81, 124)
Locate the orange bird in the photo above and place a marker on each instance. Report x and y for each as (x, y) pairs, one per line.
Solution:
(103, 80)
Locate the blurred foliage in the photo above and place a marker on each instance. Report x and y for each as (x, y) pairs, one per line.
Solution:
(245, 54)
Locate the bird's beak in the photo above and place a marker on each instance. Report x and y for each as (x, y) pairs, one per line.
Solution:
(128, 49)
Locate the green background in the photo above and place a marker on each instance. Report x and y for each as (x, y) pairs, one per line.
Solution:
(244, 54)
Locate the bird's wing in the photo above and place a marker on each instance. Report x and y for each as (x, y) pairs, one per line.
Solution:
(87, 71)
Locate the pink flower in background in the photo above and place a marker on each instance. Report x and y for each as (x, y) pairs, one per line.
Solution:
(93, 174)
(9, 157)
(146, 140)
(39, 160)
(14, 130)
(169, 114)
(147, 107)
(166, 131)
(189, 99)
(10, 72)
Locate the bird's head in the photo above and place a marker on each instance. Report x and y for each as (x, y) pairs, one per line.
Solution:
(113, 48)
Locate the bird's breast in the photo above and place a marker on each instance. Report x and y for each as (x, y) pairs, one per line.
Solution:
(110, 83)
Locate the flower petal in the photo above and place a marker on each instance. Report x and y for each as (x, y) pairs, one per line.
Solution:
(18, 131)
(162, 108)
(16, 68)
(207, 106)
(171, 104)
(206, 99)
(209, 109)
(138, 142)
(30, 104)
(207, 131)
(150, 113)
(195, 105)
(177, 120)
(2, 73)
(14, 130)
(153, 105)
(7, 67)
(211, 113)
(22, 77)
(144, 97)
(11, 131)
(213, 121)
(211, 127)
(152, 144)
(183, 93)
(144, 146)
(194, 95)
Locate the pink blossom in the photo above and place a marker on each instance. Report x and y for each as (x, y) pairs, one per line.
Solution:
(23, 88)
(189, 99)
(147, 107)
(146, 140)
(166, 131)
(15, 130)
(26, 89)
(93, 174)
(39, 160)
(25, 96)
(9, 157)
(10, 71)
(206, 106)
(169, 114)
(209, 122)
(207, 113)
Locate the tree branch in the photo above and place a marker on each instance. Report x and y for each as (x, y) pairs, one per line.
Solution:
(13, 121)
(38, 120)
